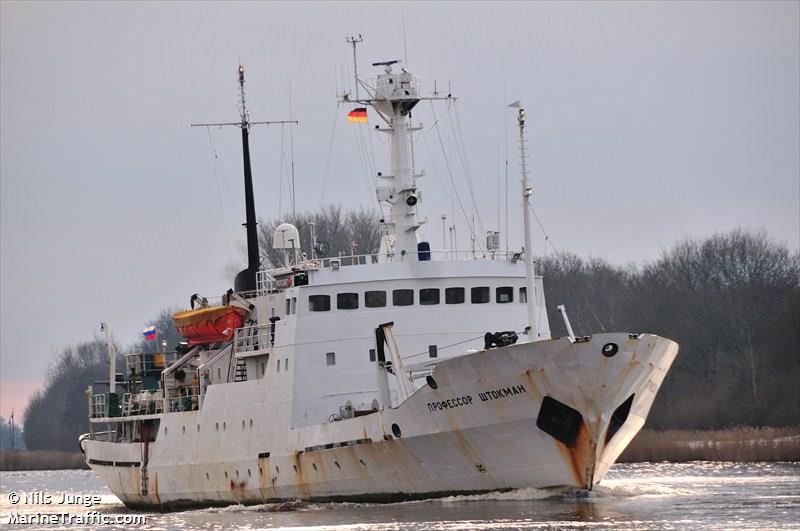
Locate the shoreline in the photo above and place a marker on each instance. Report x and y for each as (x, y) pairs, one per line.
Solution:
(19, 460)
(743, 445)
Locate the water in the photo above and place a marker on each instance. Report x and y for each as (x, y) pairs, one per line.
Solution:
(698, 495)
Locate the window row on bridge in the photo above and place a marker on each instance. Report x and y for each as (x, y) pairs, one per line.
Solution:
(408, 297)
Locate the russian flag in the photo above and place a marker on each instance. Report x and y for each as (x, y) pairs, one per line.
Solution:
(149, 333)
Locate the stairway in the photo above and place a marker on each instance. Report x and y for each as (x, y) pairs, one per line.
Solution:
(240, 374)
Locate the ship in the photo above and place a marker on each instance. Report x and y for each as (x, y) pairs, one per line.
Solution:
(404, 374)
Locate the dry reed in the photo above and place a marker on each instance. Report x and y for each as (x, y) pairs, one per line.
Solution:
(742, 444)
(40, 460)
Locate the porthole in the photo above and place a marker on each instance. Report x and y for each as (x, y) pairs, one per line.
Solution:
(166, 431)
(251, 423)
(217, 426)
(237, 474)
(610, 349)
(294, 467)
(337, 464)
(362, 462)
(198, 428)
(277, 470)
(249, 474)
(314, 466)
(260, 471)
(183, 430)
(431, 382)
(224, 425)
(226, 474)
(242, 423)
(207, 476)
(396, 430)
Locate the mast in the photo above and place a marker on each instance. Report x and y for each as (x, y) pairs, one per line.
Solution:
(246, 279)
(112, 359)
(354, 41)
(532, 327)
(395, 96)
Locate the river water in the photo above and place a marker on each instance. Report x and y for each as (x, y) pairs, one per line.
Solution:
(698, 495)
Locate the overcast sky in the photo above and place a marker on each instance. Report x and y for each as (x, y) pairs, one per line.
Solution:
(648, 123)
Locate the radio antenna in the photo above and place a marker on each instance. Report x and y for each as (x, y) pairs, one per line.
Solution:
(354, 41)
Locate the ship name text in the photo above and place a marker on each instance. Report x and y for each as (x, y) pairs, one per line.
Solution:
(484, 396)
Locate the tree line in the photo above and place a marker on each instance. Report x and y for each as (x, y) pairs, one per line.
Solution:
(732, 301)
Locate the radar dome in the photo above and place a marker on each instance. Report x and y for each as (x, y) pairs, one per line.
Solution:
(286, 236)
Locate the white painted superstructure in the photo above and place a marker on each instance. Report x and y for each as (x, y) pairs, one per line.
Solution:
(377, 377)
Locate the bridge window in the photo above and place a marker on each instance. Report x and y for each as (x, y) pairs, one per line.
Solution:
(374, 299)
(454, 295)
(403, 297)
(433, 351)
(288, 306)
(480, 295)
(504, 294)
(523, 294)
(347, 301)
(330, 358)
(319, 303)
(429, 296)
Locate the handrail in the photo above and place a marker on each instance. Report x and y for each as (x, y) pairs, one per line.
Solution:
(252, 338)
(334, 262)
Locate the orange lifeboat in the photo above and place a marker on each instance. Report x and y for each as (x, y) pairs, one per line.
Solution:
(214, 324)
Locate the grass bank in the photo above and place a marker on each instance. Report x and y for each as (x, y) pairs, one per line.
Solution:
(40, 460)
(741, 444)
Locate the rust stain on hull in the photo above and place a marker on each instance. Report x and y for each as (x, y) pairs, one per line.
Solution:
(154, 488)
(300, 481)
(581, 458)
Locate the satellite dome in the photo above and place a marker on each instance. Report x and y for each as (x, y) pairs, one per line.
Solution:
(286, 236)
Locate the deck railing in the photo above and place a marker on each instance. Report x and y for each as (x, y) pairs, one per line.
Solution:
(253, 338)
(97, 405)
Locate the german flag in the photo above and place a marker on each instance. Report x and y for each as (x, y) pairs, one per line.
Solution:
(358, 115)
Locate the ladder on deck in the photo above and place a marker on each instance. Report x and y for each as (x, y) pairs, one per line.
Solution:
(240, 374)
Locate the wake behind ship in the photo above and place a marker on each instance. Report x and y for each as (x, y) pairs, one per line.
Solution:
(403, 374)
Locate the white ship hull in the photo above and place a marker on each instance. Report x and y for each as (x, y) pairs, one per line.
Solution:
(488, 425)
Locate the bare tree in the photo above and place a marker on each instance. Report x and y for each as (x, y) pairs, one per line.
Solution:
(338, 233)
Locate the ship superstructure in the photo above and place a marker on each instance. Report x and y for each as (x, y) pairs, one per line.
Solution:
(407, 373)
